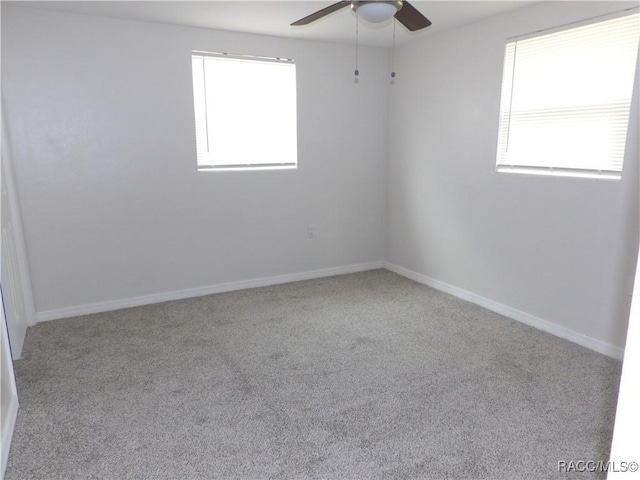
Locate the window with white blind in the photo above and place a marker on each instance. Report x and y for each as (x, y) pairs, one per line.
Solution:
(566, 97)
(245, 112)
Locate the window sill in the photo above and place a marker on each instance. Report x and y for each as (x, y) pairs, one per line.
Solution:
(560, 172)
(244, 168)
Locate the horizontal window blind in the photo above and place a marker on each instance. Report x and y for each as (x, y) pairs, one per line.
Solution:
(245, 111)
(566, 98)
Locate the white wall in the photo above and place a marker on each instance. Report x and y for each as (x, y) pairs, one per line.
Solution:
(626, 433)
(100, 116)
(559, 249)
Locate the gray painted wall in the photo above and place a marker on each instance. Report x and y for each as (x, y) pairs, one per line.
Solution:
(100, 114)
(560, 249)
(101, 120)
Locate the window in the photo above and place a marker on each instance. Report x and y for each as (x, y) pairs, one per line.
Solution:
(566, 97)
(245, 112)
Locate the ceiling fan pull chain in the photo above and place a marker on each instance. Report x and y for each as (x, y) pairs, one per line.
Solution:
(357, 72)
(393, 52)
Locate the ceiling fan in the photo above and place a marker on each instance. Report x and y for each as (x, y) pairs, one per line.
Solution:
(375, 11)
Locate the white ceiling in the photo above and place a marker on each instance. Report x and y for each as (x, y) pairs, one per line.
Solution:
(274, 17)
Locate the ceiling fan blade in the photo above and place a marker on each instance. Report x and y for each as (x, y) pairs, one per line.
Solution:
(411, 18)
(321, 13)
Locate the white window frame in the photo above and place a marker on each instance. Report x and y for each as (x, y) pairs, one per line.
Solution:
(527, 154)
(247, 120)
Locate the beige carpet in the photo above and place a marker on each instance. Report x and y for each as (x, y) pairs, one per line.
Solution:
(363, 376)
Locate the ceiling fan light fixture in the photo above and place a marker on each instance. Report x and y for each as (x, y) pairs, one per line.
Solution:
(377, 11)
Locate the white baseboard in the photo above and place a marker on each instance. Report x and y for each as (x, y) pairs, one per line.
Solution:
(200, 291)
(9, 411)
(8, 424)
(526, 318)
